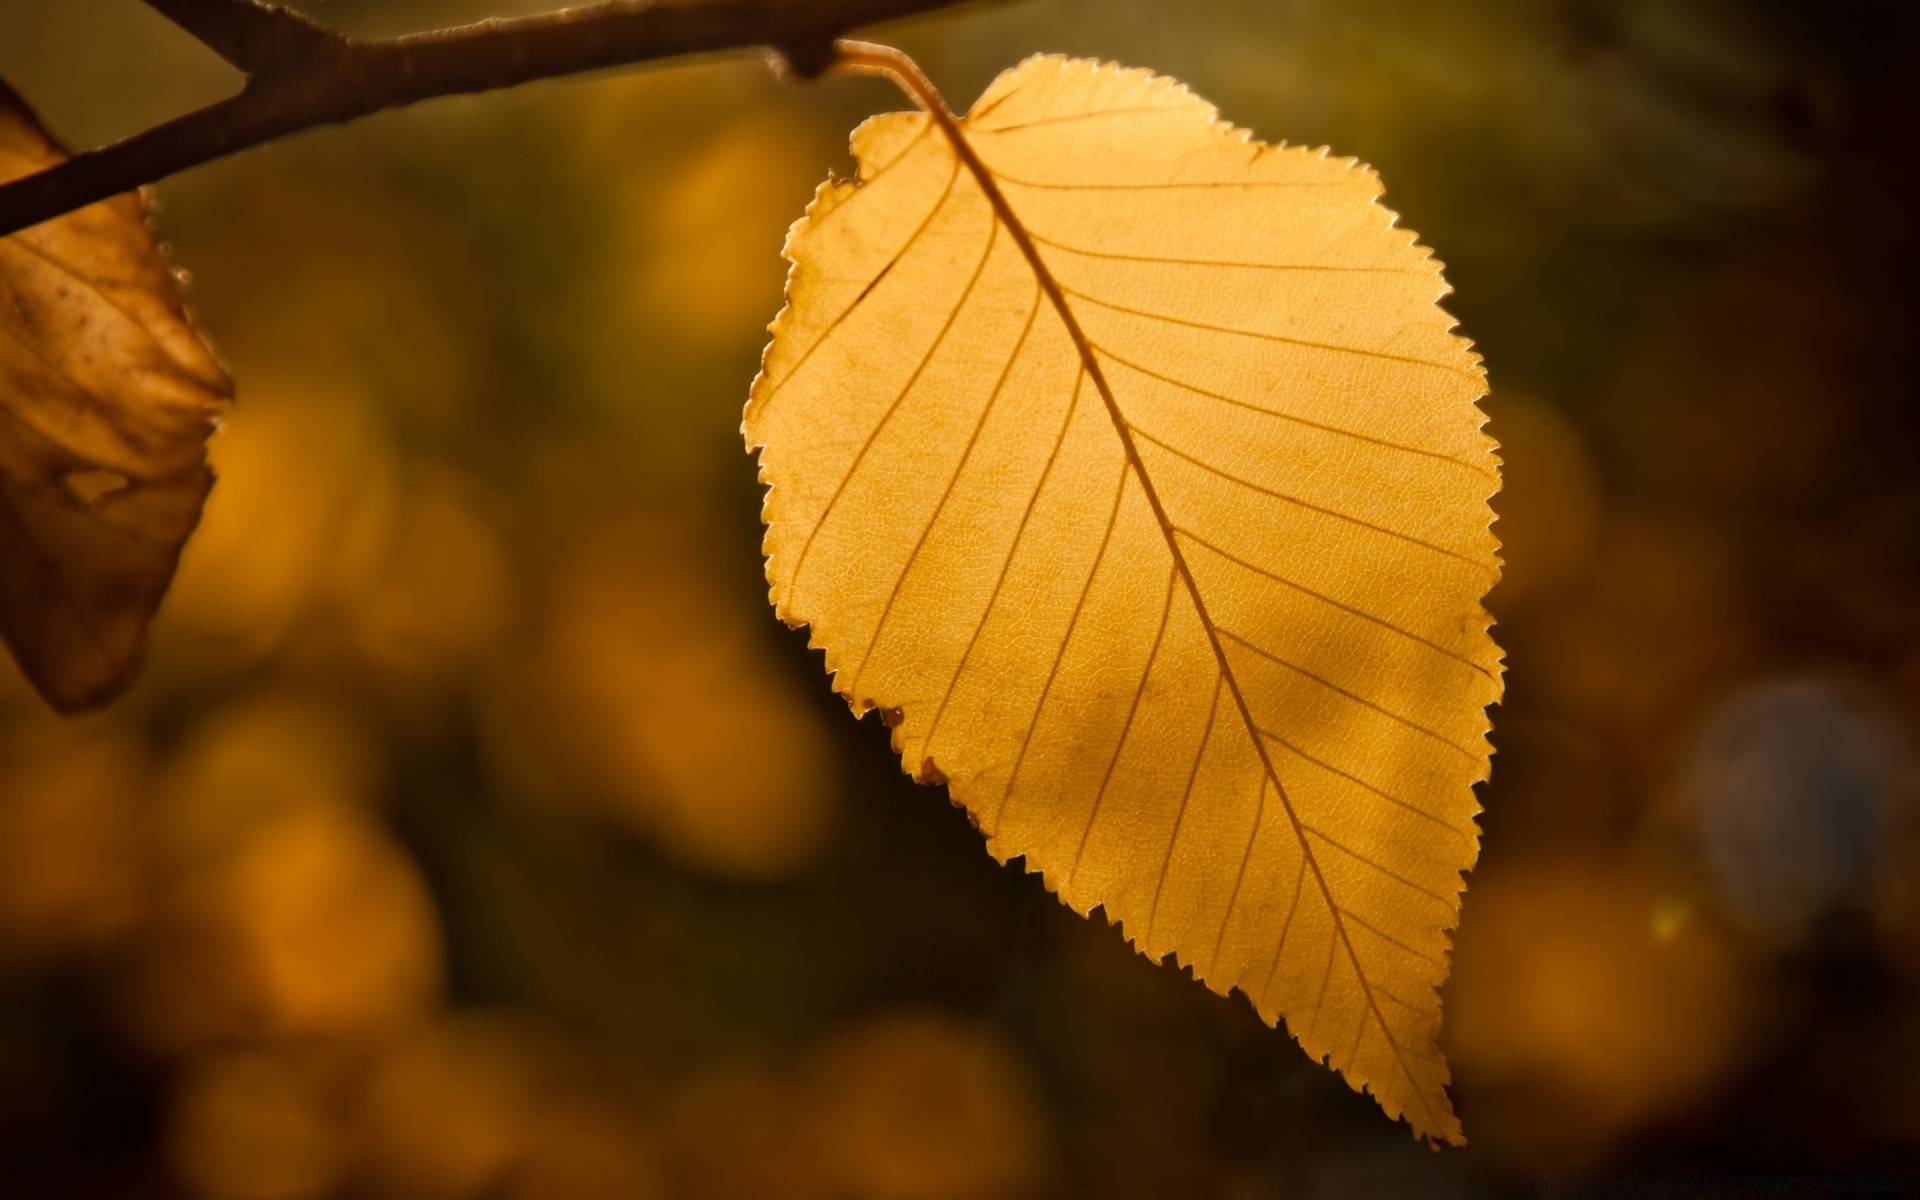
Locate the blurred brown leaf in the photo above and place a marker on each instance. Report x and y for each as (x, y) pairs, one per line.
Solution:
(1182, 499)
(110, 396)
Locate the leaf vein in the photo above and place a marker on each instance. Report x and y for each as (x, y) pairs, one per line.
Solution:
(1280, 338)
(892, 408)
(1162, 260)
(1364, 615)
(1073, 623)
(1186, 796)
(1240, 876)
(1310, 506)
(1133, 710)
(1290, 417)
(973, 440)
(1062, 120)
(833, 327)
(1359, 782)
(1384, 936)
(1006, 564)
(1331, 686)
(1060, 186)
(1286, 927)
(1350, 852)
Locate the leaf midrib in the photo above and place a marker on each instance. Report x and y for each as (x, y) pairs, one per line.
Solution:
(983, 175)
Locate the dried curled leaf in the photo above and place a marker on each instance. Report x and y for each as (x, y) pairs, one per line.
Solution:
(1152, 508)
(107, 397)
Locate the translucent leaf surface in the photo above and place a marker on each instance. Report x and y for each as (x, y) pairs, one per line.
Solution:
(1148, 499)
(107, 397)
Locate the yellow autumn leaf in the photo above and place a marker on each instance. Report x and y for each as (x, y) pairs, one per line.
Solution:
(108, 397)
(1129, 465)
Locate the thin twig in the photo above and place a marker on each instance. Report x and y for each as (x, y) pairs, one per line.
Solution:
(301, 75)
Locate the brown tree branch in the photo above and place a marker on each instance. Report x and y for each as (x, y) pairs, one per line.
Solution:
(301, 75)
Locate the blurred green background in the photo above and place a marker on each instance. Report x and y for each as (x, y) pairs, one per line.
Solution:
(477, 832)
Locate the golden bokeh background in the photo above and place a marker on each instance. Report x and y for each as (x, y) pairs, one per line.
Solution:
(476, 831)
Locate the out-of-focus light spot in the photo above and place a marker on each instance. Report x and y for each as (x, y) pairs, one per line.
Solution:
(1671, 912)
(917, 1106)
(1549, 501)
(438, 591)
(653, 691)
(449, 1110)
(1795, 788)
(251, 1126)
(287, 910)
(1572, 1020)
(299, 470)
(1898, 906)
(1662, 621)
(74, 869)
(742, 1130)
(905, 1105)
(709, 270)
(273, 753)
(15, 691)
(582, 1150)
(335, 923)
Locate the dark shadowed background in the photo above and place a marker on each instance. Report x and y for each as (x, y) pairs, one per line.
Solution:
(476, 831)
